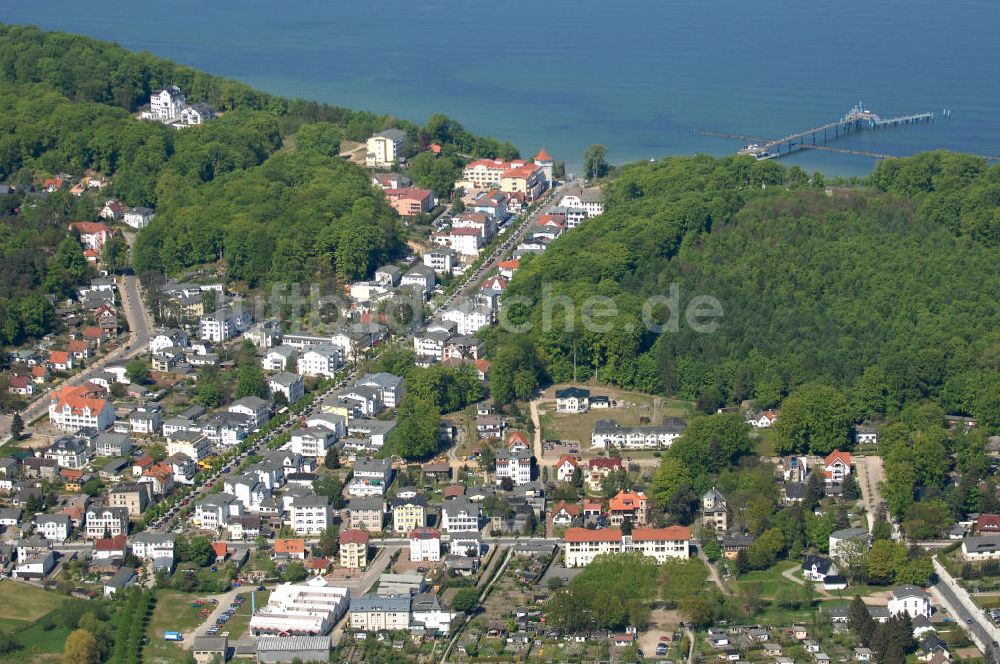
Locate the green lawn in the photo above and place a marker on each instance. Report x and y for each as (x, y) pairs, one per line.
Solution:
(766, 582)
(38, 640)
(763, 442)
(26, 603)
(173, 612)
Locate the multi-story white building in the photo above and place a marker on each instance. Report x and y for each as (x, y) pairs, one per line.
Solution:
(390, 387)
(431, 342)
(253, 407)
(106, 520)
(216, 510)
(425, 545)
(163, 340)
(515, 464)
(280, 358)
(72, 408)
(223, 325)
(469, 318)
(138, 217)
(310, 515)
(440, 259)
(70, 452)
(292, 386)
(609, 433)
(313, 607)
(166, 104)
(911, 600)
(372, 613)
(460, 515)
(322, 360)
(56, 527)
(191, 444)
(385, 148)
(152, 546)
(312, 442)
(581, 546)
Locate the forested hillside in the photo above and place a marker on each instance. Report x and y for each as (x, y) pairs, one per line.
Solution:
(887, 293)
(260, 186)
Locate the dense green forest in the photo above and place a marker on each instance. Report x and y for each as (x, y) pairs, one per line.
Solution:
(886, 292)
(261, 186)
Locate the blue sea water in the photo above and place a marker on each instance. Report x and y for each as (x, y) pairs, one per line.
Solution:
(636, 75)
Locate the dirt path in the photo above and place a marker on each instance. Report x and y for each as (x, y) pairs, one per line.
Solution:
(713, 574)
(536, 423)
(871, 473)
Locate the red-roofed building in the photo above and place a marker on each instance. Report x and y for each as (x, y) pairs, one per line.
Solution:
(837, 466)
(111, 547)
(40, 373)
(598, 468)
(763, 420)
(22, 385)
(496, 283)
(318, 565)
(75, 407)
(220, 550)
(79, 348)
(354, 549)
(528, 179)
(630, 505)
(293, 548)
(988, 524)
(508, 268)
(453, 491)
(61, 360)
(592, 508)
(434, 148)
(140, 465)
(516, 442)
(410, 201)
(483, 368)
(93, 234)
(566, 467)
(53, 184)
(160, 477)
(565, 514)
(581, 545)
(94, 334)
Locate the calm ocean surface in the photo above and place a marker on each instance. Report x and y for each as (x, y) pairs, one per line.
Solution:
(636, 75)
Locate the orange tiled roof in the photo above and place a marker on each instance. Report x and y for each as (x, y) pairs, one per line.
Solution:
(289, 546)
(79, 398)
(543, 155)
(89, 227)
(586, 535)
(627, 500)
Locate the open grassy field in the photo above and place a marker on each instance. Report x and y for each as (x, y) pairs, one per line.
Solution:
(173, 612)
(38, 640)
(25, 603)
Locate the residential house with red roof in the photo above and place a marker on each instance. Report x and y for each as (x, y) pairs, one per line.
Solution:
(410, 201)
(79, 348)
(516, 442)
(598, 468)
(290, 548)
(565, 514)
(988, 524)
(22, 385)
(61, 360)
(581, 545)
(40, 373)
(628, 505)
(111, 547)
(566, 467)
(93, 234)
(528, 179)
(763, 420)
(93, 334)
(508, 268)
(837, 466)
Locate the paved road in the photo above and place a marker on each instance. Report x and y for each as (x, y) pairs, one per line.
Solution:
(966, 613)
